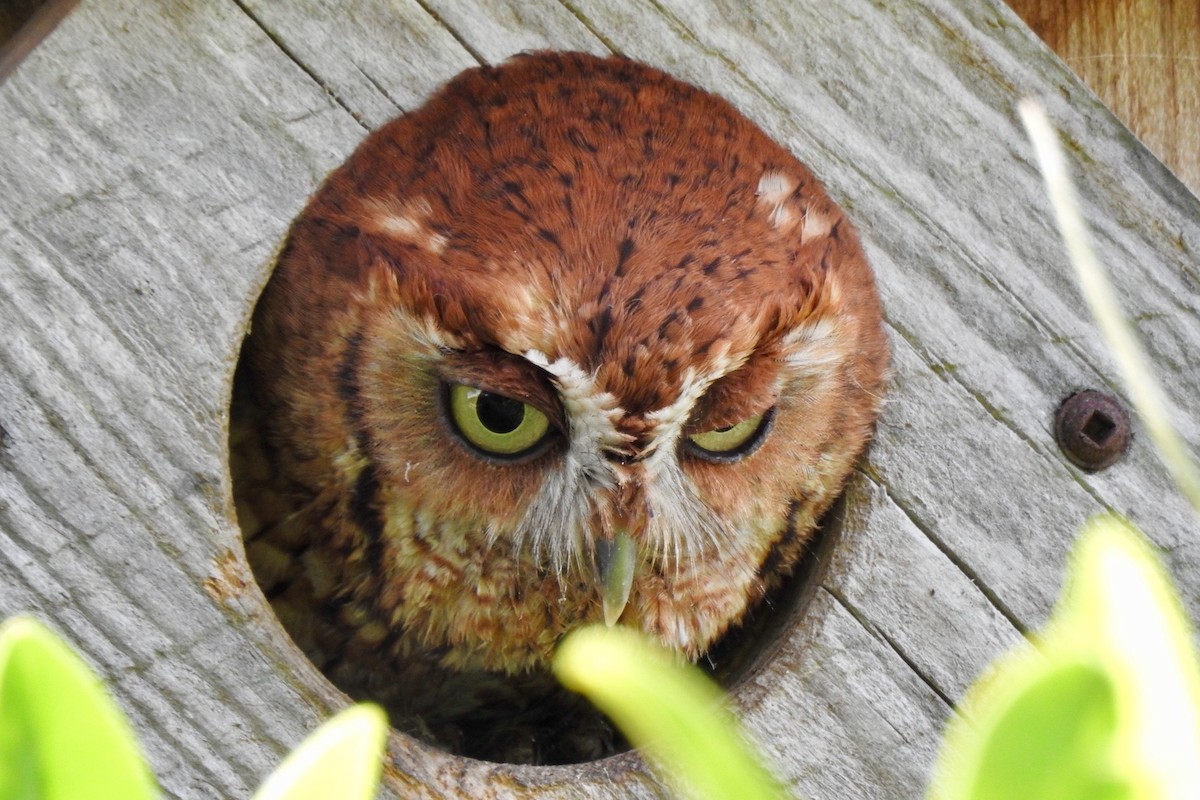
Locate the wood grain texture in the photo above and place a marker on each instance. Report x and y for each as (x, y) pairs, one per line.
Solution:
(152, 155)
(1142, 57)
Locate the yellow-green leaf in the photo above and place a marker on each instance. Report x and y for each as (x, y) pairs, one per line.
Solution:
(1042, 730)
(1120, 604)
(61, 735)
(669, 709)
(340, 759)
(1106, 706)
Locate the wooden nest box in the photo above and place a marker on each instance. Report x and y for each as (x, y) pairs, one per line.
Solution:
(152, 156)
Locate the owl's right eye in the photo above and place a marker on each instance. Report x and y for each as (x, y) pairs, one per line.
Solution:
(495, 425)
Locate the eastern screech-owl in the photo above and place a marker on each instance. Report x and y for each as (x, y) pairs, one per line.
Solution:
(575, 341)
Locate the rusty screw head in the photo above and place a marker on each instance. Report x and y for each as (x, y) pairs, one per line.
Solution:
(1092, 428)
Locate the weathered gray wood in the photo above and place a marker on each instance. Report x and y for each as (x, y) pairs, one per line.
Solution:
(494, 31)
(152, 156)
(371, 66)
(835, 691)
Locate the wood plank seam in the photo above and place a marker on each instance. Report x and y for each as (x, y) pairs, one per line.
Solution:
(379, 87)
(876, 631)
(305, 68)
(592, 28)
(981, 399)
(458, 37)
(1048, 452)
(992, 596)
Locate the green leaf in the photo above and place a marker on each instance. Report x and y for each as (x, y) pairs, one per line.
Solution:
(1107, 705)
(670, 709)
(61, 735)
(1044, 732)
(1120, 605)
(340, 759)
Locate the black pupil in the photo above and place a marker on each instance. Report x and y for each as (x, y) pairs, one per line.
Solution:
(499, 414)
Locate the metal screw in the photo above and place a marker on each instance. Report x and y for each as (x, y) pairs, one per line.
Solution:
(1092, 428)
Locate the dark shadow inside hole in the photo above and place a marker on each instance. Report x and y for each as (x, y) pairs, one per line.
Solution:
(527, 719)
(740, 652)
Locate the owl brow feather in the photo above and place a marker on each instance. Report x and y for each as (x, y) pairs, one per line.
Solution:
(679, 529)
(553, 527)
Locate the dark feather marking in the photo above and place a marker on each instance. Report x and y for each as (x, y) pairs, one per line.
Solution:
(366, 514)
(363, 496)
(770, 567)
(624, 250)
(577, 138)
(346, 377)
(601, 324)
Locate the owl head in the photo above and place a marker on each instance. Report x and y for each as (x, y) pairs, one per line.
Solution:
(575, 341)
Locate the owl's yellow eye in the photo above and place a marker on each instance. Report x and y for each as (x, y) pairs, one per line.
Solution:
(732, 441)
(495, 424)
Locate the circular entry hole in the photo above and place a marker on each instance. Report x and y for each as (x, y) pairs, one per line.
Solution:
(362, 323)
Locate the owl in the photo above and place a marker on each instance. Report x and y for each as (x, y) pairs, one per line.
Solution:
(574, 342)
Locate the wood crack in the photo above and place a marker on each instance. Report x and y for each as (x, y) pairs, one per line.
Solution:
(458, 37)
(878, 633)
(981, 400)
(592, 28)
(277, 40)
(379, 87)
(954, 558)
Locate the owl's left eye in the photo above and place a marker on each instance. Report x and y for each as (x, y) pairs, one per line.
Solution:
(732, 441)
(496, 425)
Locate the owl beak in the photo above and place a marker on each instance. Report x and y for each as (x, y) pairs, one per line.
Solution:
(615, 563)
